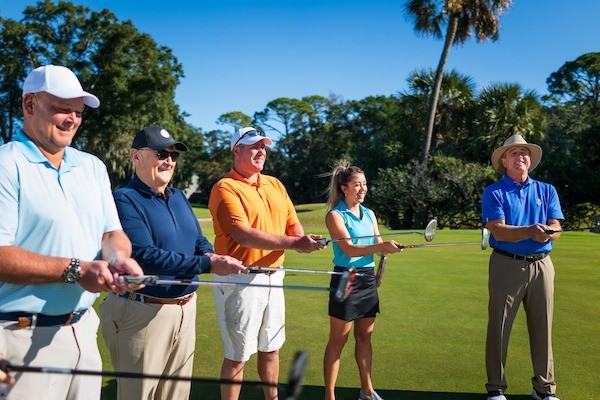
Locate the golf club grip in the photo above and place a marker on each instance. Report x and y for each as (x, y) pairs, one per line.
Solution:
(5, 365)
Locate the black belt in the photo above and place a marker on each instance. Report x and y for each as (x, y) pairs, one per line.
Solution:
(529, 258)
(33, 320)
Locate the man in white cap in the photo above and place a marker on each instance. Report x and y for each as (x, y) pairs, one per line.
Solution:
(254, 221)
(523, 216)
(61, 242)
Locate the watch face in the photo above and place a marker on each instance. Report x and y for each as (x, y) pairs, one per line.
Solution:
(72, 272)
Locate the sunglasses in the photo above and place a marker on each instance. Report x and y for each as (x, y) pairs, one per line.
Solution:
(251, 133)
(164, 154)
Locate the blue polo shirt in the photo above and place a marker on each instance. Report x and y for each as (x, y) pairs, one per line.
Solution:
(60, 212)
(356, 227)
(520, 205)
(165, 234)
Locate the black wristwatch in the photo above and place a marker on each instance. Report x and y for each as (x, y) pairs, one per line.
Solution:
(73, 272)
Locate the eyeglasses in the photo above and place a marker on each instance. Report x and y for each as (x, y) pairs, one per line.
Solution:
(164, 154)
(251, 133)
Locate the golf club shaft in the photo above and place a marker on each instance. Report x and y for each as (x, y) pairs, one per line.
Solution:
(8, 367)
(412, 246)
(311, 271)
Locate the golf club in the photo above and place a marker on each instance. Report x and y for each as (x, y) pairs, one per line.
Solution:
(341, 292)
(310, 271)
(429, 234)
(484, 243)
(380, 270)
(593, 229)
(291, 390)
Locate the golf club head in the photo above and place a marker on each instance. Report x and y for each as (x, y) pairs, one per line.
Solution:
(345, 285)
(430, 230)
(485, 238)
(380, 270)
(297, 370)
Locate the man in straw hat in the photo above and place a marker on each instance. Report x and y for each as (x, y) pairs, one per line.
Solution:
(520, 212)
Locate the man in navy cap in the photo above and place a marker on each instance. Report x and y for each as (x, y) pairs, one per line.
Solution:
(153, 330)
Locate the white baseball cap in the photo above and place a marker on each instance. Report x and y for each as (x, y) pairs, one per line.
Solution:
(249, 136)
(58, 81)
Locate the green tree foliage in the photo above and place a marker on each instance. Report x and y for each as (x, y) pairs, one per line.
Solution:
(573, 156)
(134, 77)
(449, 190)
(502, 110)
(462, 19)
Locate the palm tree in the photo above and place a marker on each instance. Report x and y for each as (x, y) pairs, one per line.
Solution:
(455, 100)
(462, 18)
(502, 110)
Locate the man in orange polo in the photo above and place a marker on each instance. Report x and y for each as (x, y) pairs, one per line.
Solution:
(254, 221)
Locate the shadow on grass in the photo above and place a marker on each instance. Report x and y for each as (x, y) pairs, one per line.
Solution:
(210, 391)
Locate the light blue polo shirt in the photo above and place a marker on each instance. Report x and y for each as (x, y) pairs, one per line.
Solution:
(356, 227)
(519, 204)
(57, 212)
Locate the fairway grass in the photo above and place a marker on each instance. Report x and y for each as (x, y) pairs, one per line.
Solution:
(429, 339)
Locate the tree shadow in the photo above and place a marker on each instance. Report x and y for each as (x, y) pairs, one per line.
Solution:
(211, 391)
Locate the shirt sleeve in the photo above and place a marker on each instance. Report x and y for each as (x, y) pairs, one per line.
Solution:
(229, 209)
(151, 258)
(491, 205)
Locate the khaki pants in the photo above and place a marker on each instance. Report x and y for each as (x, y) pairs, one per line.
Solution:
(71, 347)
(510, 283)
(151, 339)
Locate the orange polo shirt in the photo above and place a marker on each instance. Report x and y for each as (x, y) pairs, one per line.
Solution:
(236, 201)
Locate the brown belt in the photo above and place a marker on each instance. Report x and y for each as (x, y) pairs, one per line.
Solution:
(180, 301)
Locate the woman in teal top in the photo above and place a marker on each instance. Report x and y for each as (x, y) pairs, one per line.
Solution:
(347, 218)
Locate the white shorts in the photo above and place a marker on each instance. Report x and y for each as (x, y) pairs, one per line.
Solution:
(251, 319)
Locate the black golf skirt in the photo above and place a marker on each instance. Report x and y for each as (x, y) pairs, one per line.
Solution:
(362, 302)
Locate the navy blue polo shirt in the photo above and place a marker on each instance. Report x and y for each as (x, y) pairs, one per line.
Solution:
(165, 234)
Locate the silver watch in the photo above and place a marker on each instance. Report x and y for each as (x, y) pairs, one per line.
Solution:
(73, 272)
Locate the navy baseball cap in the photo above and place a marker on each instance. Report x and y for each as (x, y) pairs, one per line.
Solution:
(156, 138)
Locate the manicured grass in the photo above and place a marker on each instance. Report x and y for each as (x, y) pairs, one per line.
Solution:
(429, 338)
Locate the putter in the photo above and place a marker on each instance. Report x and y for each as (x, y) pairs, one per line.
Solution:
(429, 234)
(341, 292)
(291, 390)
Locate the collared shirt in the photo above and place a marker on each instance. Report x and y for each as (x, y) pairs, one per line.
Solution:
(55, 212)
(356, 227)
(165, 235)
(521, 205)
(265, 205)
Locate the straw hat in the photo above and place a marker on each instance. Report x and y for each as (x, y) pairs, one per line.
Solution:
(535, 152)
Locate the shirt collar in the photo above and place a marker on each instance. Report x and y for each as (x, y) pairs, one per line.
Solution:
(35, 155)
(510, 183)
(137, 184)
(238, 177)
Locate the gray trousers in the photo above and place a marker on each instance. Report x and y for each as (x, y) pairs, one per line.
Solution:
(512, 282)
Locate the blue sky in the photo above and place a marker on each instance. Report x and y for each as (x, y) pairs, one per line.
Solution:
(239, 55)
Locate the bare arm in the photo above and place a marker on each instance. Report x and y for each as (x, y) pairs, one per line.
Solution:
(255, 238)
(512, 233)
(337, 229)
(23, 267)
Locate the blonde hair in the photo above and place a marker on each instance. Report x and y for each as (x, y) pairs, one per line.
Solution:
(341, 174)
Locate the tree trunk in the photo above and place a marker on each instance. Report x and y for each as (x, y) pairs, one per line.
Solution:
(435, 94)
